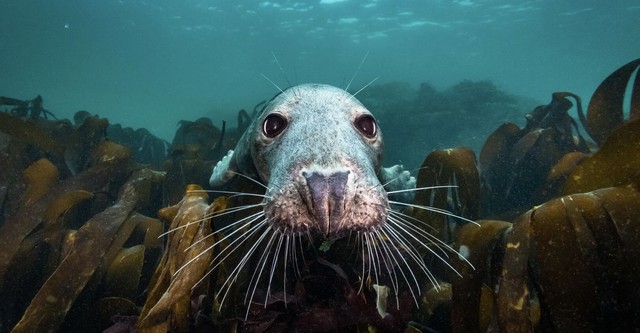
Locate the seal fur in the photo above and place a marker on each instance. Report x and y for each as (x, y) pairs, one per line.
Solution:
(323, 170)
(318, 153)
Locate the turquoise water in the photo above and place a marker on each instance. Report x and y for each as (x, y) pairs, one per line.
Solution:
(152, 63)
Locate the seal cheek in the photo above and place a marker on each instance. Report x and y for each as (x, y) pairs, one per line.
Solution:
(328, 196)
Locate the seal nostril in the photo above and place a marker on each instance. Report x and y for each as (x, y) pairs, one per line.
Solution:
(328, 198)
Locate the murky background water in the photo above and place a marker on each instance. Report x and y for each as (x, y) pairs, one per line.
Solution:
(152, 63)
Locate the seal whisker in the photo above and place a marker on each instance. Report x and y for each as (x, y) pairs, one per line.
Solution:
(404, 242)
(262, 261)
(233, 275)
(357, 71)
(388, 261)
(184, 226)
(236, 271)
(406, 279)
(304, 260)
(251, 179)
(284, 274)
(421, 188)
(208, 216)
(254, 216)
(367, 257)
(219, 254)
(236, 209)
(433, 239)
(274, 264)
(363, 88)
(294, 262)
(414, 254)
(232, 247)
(395, 228)
(273, 83)
(376, 251)
(435, 210)
(427, 247)
(255, 279)
(232, 192)
(406, 216)
(372, 256)
(286, 78)
(362, 245)
(252, 219)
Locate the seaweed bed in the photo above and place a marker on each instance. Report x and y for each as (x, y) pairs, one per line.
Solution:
(85, 206)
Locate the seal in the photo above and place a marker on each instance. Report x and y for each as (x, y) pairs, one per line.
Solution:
(319, 151)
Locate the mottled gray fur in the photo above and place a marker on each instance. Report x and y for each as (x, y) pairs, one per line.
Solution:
(321, 139)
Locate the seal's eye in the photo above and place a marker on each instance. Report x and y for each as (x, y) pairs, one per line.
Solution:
(273, 125)
(367, 126)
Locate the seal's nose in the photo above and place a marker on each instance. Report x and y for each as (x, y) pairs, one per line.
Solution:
(328, 199)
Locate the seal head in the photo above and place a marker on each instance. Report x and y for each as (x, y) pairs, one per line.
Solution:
(319, 152)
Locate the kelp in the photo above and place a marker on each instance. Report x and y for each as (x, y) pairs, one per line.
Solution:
(79, 259)
(53, 227)
(32, 109)
(515, 163)
(195, 148)
(109, 310)
(81, 144)
(599, 265)
(26, 219)
(570, 264)
(482, 248)
(94, 245)
(28, 132)
(146, 147)
(40, 177)
(50, 272)
(456, 170)
(184, 263)
(616, 163)
(606, 108)
(122, 278)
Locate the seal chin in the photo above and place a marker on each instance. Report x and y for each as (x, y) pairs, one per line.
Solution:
(327, 203)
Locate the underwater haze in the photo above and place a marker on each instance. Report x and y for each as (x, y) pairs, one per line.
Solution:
(153, 63)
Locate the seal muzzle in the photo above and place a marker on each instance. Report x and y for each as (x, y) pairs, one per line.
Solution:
(328, 198)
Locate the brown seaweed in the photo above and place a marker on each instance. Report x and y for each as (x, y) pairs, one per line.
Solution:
(53, 225)
(515, 163)
(605, 111)
(570, 264)
(123, 275)
(67, 245)
(40, 177)
(456, 170)
(183, 265)
(91, 248)
(28, 132)
(616, 163)
(482, 246)
(25, 220)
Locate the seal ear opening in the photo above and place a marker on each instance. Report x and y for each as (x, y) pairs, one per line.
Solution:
(224, 170)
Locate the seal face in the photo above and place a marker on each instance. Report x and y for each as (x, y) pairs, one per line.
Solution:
(319, 152)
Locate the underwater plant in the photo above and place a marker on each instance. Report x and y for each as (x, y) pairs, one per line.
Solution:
(567, 264)
(84, 245)
(461, 115)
